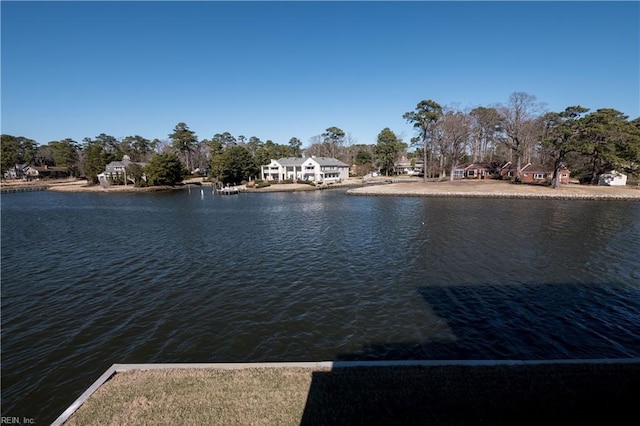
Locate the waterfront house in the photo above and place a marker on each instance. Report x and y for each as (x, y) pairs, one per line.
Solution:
(26, 172)
(282, 169)
(403, 166)
(473, 171)
(613, 178)
(314, 169)
(117, 170)
(16, 172)
(534, 173)
(48, 172)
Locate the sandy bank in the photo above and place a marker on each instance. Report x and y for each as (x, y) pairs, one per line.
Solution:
(283, 187)
(294, 187)
(499, 189)
(80, 186)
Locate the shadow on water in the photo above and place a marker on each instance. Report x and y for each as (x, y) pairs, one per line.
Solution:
(525, 322)
(580, 322)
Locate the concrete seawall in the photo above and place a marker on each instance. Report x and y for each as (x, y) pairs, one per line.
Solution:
(382, 392)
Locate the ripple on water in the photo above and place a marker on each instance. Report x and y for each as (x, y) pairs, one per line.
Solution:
(304, 277)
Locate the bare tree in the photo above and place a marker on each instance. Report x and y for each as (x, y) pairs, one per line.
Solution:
(485, 126)
(455, 131)
(317, 147)
(162, 146)
(520, 124)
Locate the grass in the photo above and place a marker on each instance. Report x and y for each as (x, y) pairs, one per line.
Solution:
(435, 395)
(212, 397)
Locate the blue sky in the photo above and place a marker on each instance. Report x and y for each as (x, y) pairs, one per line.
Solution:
(281, 69)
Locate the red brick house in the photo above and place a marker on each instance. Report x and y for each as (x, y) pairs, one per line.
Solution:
(473, 171)
(534, 173)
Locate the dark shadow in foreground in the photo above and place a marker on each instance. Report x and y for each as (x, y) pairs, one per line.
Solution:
(574, 394)
(524, 322)
(534, 322)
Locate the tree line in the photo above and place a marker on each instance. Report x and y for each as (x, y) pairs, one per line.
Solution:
(223, 156)
(519, 130)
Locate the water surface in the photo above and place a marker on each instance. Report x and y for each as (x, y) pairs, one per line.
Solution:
(89, 280)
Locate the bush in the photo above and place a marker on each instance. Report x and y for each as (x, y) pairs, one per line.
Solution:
(116, 180)
(164, 169)
(262, 184)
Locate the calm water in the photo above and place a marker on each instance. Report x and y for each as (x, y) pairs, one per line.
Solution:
(89, 280)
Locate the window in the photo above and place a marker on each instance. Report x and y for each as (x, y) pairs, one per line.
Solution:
(539, 175)
(458, 173)
(471, 173)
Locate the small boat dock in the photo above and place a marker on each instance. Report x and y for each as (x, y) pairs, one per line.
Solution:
(228, 190)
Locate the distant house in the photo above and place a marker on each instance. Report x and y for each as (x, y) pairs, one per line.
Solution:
(117, 170)
(48, 172)
(613, 178)
(24, 171)
(403, 166)
(473, 171)
(534, 173)
(16, 172)
(314, 169)
(406, 166)
(418, 169)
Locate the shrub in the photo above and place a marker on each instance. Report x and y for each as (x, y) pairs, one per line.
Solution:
(164, 169)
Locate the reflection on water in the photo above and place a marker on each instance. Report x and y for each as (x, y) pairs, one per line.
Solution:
(89, 280)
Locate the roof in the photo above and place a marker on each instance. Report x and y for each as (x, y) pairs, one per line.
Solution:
(539, 168)
(290, 161)
(124, 164)
(531, 168)
(51, 169)
(467, 166)
(328, 161)
(614, 173)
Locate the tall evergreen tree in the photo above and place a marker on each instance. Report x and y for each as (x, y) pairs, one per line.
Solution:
(184, 141)
(387, 149)
(562, 136)
(424, 119)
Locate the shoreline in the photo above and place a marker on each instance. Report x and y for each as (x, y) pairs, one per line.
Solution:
(499, 189)
(382, 187)
(77, 186)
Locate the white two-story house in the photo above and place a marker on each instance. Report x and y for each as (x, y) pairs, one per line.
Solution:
(314, 169)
